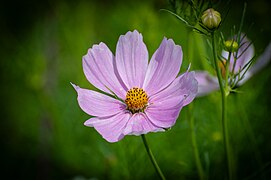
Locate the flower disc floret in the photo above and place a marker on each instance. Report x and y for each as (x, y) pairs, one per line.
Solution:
(136, 100)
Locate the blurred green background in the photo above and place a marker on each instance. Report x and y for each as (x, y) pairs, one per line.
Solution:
(42, 131)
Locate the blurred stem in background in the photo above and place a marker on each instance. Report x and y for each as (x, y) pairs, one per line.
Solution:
(194, 143)
(154, 163)
(224, 109)
(192, 45)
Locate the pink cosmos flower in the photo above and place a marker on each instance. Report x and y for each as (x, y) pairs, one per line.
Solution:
(208, 83)
(148, 96)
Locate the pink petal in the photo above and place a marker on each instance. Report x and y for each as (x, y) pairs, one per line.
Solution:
(165, 106)
(97, 104)
(99, 70)
(132, 59)
(184, 88)
(164, 67)
(112, 127)
(206, 83)
(140, 124)
(162, 116)
(260, 63)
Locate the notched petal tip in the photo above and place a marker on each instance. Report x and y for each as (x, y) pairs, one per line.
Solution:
(136, 32)
(101, 46)
(131, 35)
(170, 41)
(166, 41)
(95, 47)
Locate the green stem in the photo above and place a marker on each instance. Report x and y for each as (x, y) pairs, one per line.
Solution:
(154, 163)
(224, 110)
(194, 144)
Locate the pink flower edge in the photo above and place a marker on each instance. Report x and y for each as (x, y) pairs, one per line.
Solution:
(111, 118)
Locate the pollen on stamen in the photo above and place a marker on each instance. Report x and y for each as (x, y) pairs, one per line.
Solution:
(136, 100)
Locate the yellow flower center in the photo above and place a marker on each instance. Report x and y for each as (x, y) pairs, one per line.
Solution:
(136, 100)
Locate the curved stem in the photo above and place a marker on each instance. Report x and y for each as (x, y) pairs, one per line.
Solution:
(194, 144)
(224, 110)
(154, 163)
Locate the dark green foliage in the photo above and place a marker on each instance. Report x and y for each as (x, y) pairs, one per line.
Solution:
(42, 132)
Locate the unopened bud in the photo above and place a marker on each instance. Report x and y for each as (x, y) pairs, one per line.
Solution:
(231, 46)
(211, 18)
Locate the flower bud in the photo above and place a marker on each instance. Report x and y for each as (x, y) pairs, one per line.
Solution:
(211, 18)
(231, 46)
